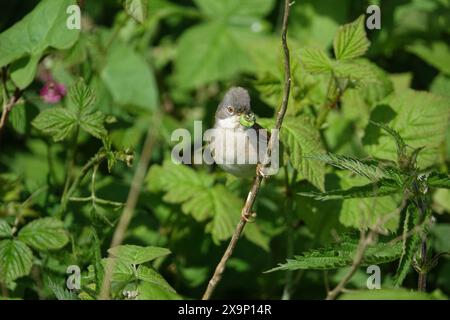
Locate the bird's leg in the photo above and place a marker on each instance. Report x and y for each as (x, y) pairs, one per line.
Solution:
(246, 216)
(261, 172)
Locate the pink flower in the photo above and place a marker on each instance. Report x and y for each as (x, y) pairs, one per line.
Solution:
(52, 92)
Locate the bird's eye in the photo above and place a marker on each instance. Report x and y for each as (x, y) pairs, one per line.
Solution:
(230, 109)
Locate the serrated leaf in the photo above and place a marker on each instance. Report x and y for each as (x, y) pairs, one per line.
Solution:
(315, 60)
(439, 180)
(60, 292)
(301, 138)
(355, 73)
(226, 209)
(137, 9)
(198, 197)
(58, 122)
(23, 44)
(351, 41)
(341, 255)
(5, 229)
(410, 244)
(81, 96)
(136, 255)
(383, 187)
(150, 275)
(15, 260)
(371, 169)
(44, 234)
(93, 124)
(420, 118)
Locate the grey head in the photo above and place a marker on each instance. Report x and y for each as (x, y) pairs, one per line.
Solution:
(235, 102)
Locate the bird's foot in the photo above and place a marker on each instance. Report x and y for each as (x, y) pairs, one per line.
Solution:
(262, 172)
(246, 216)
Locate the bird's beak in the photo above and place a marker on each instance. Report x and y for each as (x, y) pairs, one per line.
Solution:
(247, 119)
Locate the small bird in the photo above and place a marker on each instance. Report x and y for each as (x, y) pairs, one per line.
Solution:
(237, 137)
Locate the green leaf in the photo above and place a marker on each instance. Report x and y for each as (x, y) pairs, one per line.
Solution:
(383, 187)
(129, 78)
(230, 25)
(370, 169)
(15, 260)
(341, 255)
(150, 275)
(44, 234)
(358, 73)
(81, 97)
(210, 61)
(5, 229)
(24, 43)
(367, 212)
(315, 60)
(439, 180)
(441, 85)
(198, 197)
(151, 291)
(420, 118)
(351, 41)
(58, 123)
(300, 137)
(235, 10)
(409, 246)
(59, 291)
(314, 22)
(436, 53)
(226, 208)
(386, 294)
(137, 9)
(136, 255)
(93, 124)
(400, 143)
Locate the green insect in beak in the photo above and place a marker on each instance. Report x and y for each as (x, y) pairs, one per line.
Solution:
(247, 120)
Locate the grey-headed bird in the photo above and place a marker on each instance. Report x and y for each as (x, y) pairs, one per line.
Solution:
(237, 137)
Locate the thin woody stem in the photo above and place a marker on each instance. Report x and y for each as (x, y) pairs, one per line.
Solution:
(246, 210)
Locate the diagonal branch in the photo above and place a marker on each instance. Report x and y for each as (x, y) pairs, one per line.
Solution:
(246, 210)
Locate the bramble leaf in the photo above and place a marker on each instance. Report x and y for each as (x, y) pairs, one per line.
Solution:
(439, 180)
(59, 123)
(300, 138)
(5, 229)
(44, 234)
(137, 9)
(315, 61)
(351, 41)
(420, 118)
(132, 254)
(15, 260)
